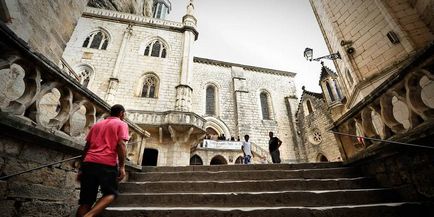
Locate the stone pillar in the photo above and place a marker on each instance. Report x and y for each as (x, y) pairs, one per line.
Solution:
(242, 100)
(183, 90)
(178, 154)
(114, 80)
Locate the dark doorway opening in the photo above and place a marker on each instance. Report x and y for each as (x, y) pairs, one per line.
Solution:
(323, 158)
(218, 160)
(150, 157)
(196, 160)
(239, 160)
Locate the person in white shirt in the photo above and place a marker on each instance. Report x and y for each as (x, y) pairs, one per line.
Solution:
(247, 150)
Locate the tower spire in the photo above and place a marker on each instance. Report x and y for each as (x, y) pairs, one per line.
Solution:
(190, 8)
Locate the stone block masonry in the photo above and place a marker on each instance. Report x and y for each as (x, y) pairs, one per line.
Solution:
(45, 25)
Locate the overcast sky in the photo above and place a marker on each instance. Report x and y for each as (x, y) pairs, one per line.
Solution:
(265, 33)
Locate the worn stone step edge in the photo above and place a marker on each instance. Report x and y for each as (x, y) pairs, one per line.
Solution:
(241, 166)
(254, 180)
(337, 169)
(380, 190)
(264, 208)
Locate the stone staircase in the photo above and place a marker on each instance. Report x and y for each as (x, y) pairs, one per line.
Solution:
(321, 189)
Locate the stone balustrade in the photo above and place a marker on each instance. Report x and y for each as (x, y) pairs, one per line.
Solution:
(402, 109)
(37, 93)
(166, 118)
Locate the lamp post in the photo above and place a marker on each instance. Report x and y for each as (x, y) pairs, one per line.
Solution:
(308, 54)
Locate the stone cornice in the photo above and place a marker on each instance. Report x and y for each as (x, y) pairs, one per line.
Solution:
(245, 67)
(137, 20)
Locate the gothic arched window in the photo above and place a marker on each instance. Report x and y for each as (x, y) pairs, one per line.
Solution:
(329, 90)
(97, 40)
(309, 107)
(265, 106)
(211, 100)
(350, 78)
(338, 89)
(150, 87)
(156, 49)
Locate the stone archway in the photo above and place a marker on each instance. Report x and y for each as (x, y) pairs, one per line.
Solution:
(218, 160)
(239, 160)
(196, 160)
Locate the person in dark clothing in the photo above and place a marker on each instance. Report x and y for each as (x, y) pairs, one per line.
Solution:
(273, 146)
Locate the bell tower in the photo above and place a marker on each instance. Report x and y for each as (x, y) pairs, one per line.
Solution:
(161, 9)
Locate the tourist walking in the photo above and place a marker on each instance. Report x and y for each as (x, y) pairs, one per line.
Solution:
(103, 163)
(247, 150)
(273, 146)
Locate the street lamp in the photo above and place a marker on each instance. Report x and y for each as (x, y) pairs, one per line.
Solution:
(308, 54)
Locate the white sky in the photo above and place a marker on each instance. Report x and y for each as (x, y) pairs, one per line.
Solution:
(264, 33)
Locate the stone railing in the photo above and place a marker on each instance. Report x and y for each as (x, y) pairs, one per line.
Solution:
(36, 92)
(166, 118)
(402, 109)
(67, 69)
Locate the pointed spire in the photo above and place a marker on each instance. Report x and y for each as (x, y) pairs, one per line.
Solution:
(190, 8)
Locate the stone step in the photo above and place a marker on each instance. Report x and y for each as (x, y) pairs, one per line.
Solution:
(382, 209)
(246, 185)
(245, 167)
(327, 173)
(258, 199)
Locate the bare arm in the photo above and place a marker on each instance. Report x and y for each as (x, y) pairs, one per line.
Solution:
(279, 143)
(122, 152)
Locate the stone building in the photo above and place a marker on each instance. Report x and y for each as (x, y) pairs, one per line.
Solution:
(383, 115)
(147, 64)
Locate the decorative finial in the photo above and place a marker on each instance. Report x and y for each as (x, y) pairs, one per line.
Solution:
(303, 88)
(322, 63)
(190, 8)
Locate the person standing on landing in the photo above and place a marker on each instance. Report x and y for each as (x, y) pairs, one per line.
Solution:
(247, 150)
(103, 163)
(273, 146)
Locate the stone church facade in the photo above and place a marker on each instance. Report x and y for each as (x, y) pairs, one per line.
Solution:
(147, 64)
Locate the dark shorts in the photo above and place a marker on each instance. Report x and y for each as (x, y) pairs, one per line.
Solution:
(94, 176)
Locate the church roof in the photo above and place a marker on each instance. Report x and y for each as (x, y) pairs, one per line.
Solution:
(245, 67)
(326, 72)
(310, 93)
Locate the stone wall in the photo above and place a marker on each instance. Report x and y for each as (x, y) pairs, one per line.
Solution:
(425, 9)
(251, 121)
(133, 67)
(50, 191)
(45, 25)
(410, 170)
(313, 127)
(127, 6)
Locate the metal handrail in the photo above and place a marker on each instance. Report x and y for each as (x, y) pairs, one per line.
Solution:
(381, 140)
(38, 168)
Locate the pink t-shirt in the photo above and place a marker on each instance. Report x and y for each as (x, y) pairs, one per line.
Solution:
(103, 138)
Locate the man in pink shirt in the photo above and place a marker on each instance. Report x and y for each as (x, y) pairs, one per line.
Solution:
(104, 152)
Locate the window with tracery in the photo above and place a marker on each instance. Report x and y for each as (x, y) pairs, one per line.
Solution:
(97, 40)
(150, 85)
(265, 106)
(211, 100)
(156, 49)
(316, 136)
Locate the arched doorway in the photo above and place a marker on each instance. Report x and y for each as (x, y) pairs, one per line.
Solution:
(322, 158)
(150, 157)
(218, 160)
(196, 160)
(239, 160)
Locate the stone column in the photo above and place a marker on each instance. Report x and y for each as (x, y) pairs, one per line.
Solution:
(183, 90)
(114, 79)
(242, 101)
